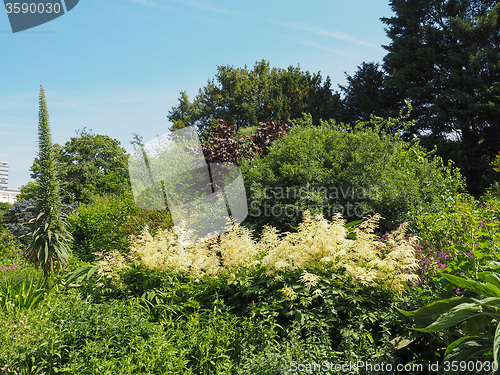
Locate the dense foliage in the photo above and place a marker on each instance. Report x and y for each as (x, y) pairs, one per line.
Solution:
(462, 239)
(443, 56)
(106, 225)
(364, 94)
(221, 143)
(86, 166)
(246, 97)
(358, 171)
(224, 323)
(313, 287)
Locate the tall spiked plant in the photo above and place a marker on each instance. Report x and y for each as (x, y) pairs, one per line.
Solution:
(50, 240)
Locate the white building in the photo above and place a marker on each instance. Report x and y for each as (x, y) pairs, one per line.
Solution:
(9, 196)
(4, 175)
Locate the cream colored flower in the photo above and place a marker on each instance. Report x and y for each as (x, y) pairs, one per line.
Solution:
(309, 279)
(289, 293)
(317, 292)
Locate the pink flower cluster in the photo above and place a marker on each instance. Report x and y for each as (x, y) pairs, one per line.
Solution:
(6, 368)
(13, 267)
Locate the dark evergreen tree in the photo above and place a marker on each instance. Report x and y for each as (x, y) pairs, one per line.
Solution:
(364, 94)
(445, 58)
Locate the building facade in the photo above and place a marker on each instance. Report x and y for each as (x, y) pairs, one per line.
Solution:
(4, 175)
(9, 196)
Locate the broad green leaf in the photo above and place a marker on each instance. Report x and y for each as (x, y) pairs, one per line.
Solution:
(435, 308)
(466, 351)
(450, 318)
(477, 324)
(494, 264)
(487, 289)
(459, 342)
(493, 278)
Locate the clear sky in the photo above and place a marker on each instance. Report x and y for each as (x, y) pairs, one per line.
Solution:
(117, 66)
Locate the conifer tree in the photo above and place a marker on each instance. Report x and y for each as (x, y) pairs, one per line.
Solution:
(444, 57)
(364, 94)
(50, 240)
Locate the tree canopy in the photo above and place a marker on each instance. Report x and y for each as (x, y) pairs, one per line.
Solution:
(87, 165)
(444, 57)
(93, 164)
(364, 94)
(244, 97)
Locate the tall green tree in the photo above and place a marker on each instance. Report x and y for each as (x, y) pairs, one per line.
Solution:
(244, 97)
(364, 94)
(92, 164)
(86, 166)
(444, 57)
(50, 240)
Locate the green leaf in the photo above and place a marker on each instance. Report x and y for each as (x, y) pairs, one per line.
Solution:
(493, 264)
(435, 308)
(493, 278)
(476, 325)
(455, 344)
(456, 315)
(78, 276)
(487, 289)
(352, 224)
(466, 349)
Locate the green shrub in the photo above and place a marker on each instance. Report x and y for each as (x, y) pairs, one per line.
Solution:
(357, 172)
(317, 282)
(107, 224)
(4, 207)
(10, 250)
(20, 288)
(67, 334)
(286, 355)
(462, 239)
(496, 163)
(71, 335)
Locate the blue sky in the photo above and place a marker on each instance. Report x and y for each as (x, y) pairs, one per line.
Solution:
(117, 66)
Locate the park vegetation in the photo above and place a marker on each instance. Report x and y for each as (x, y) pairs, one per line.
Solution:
(373, 233)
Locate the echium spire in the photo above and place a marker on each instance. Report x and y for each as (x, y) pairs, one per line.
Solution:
(48, 201)
(50, 239)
